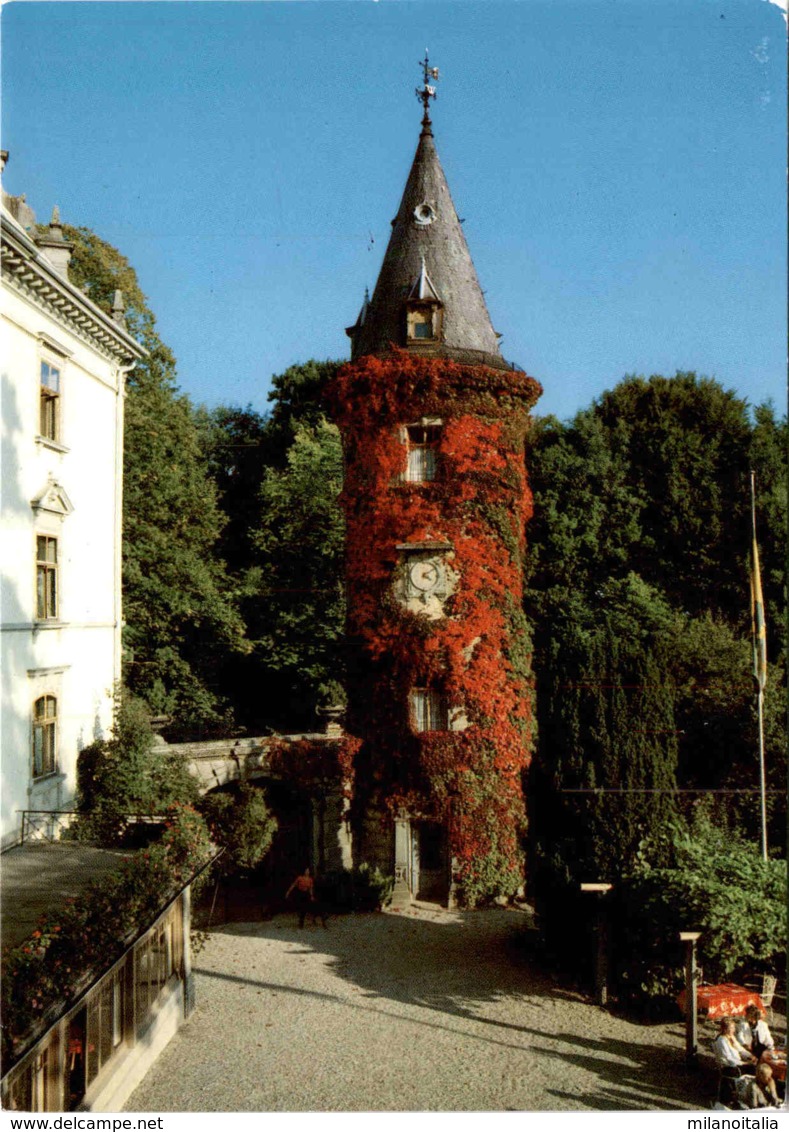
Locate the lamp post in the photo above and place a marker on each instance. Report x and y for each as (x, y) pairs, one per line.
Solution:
(691, 987)
(600, 888)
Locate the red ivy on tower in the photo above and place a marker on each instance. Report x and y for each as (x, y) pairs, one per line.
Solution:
(478, 652)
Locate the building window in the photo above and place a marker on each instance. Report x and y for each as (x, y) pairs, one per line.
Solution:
(32, 1087)
(428, 710)
(105, 1023)
(45, 724)
(117, 1010)
(46, 577)
(49, 415)
(155, 960)
(422, 452)
(423, 322)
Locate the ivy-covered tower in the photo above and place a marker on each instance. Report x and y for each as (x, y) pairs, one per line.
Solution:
(436, 501)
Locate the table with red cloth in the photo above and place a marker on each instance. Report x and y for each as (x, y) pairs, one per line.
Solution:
(722, 1000)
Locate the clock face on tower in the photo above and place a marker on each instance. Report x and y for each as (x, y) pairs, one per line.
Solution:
(424, 576)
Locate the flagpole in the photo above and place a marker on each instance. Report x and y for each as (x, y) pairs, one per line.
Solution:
(759, 681)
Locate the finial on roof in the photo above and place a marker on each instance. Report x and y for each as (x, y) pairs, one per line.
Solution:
(55, 246)
(118, 308)
(426, 91)
(351, 330)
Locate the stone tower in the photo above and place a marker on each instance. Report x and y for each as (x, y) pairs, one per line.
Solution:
(436, 501)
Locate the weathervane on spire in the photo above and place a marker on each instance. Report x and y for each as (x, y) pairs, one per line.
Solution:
(426, 92)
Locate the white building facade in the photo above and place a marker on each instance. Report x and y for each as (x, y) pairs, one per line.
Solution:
(64, 363)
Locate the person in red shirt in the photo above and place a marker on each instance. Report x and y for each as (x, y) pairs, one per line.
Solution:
(304, 889)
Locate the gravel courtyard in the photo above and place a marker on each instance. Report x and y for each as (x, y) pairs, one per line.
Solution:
(429, 1011)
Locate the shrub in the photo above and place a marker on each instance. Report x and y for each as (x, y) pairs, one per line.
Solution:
(717, 884)
(127, 775)
(242, 824)
(363, 889)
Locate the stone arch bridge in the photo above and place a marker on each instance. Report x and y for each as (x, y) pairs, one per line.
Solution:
(219, 763)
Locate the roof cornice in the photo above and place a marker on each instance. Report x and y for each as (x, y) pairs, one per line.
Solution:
(28, 271)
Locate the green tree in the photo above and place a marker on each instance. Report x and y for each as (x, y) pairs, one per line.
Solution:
(297, 400)
(128, 774)
(586, 514)
(715, 711)
(637, 577)
(604, 776)
(300, 594)
(180, 608)
(686, 444)
(242, 824)
(256, 462)
(710, 880)
(237, 448)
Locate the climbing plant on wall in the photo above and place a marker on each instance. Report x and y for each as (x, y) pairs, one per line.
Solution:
(478, 653)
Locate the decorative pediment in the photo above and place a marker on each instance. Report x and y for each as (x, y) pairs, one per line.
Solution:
(422, 289)
(425, 544)
(53, 499)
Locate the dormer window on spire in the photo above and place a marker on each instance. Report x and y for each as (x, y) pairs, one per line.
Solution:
(424, 310)
(423, 322)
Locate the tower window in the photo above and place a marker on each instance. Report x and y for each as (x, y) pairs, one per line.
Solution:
(423, 443)
(46, 577)
(428, 710)
(423, 322)
(45, 721)
(49, 405)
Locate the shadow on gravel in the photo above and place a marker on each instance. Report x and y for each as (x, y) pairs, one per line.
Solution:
(299, 992)
(652, 1070)
(458, 966)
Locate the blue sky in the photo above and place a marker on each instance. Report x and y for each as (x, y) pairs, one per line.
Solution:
(620, 165)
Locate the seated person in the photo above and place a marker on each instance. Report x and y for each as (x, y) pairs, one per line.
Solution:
(776, 1059)
(753, 1033)
(730, 1056)
(761, 1091)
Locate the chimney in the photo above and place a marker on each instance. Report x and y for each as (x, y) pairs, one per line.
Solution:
(55, 246)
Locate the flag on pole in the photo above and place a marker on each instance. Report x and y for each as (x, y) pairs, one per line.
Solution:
(758, 624)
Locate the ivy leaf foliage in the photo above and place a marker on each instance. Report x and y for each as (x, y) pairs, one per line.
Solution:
(180, 607)
(299, 571)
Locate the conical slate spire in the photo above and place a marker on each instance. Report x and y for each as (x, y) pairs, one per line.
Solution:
(427, 241)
